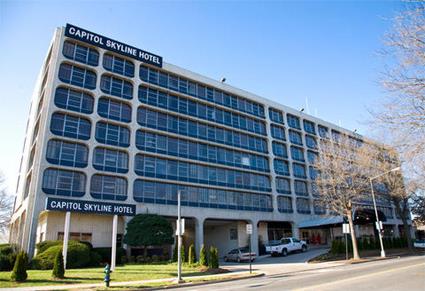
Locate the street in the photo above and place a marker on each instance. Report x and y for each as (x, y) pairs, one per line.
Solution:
(406, 273)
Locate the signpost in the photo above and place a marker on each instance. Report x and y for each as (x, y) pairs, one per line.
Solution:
(249, 232)
(345, 231)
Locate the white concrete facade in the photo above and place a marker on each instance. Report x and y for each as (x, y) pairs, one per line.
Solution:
(31, 223)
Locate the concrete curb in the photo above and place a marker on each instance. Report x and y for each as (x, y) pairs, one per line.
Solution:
(183, 285)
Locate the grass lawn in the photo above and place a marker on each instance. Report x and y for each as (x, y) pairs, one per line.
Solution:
(364, 254)
(95, 275)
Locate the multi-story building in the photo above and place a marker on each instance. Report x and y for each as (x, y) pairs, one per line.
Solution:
(114, 124)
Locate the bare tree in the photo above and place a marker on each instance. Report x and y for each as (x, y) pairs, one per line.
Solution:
(401, 116)
(6, 204)
(343, 178)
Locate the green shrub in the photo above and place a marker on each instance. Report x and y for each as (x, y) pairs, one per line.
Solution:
(203, 256)
(7, 257)
(105, 254)
(155, 259)
(44, 245)
(192, 254)
(140, 259)
(213, 258)
(78, 256)
(95, 259)
(19, 273)
(58, 267)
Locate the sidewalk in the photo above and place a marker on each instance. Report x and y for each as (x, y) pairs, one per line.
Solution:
(239, 274)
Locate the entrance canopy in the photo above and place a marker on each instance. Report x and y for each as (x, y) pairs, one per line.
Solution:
(319, 222)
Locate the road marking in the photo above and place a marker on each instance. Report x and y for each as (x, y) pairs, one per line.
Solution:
(315, 287)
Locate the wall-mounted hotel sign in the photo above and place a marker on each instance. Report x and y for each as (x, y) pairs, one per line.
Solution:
(84, 35)
(60, 204)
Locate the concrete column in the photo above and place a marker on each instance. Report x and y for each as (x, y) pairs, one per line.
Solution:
(295, 230)
(199, 235)
(114, 241)
(396, 230)
(66, 237)
(254, 237)
(357, 229)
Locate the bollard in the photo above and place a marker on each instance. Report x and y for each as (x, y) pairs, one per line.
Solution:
(107, 272)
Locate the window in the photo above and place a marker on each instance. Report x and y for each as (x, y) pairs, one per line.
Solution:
(108, 187)
(233, 234)
(300, 188)
(118, 65)
(313, 173)
(194, 196)
(168, 122)
(309, 127)
(297, 153)
(281, 167)
(299, 170)
(336, 136)
(77, 76)
(70, 126)
(310, 142)
(277, 132)
(110, 160)
(114, 110)
(283, 185)
(189, 107)
(116, 87)
(295, 137)
(284, 204)
(197, 90)
(63, 183)
(293, 121)
(112, 134)
(319, 207)
(303, 206)
(80, 53)
(312, 157)
(323, 131)
(66, 153)
(276, 115)
(279, 150)
(178, 170)
(74, 100)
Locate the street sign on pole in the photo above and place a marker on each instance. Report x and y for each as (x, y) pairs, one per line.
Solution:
(249, 228)
(345, 228)
(178, 227)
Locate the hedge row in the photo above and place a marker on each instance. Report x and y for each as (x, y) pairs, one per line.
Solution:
(338, 246)
(8, 254)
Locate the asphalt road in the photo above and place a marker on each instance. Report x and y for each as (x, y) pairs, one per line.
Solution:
(394, 274)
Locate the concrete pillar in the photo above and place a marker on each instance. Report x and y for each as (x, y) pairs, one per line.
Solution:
(114, 241)
(66, 237)
(295, 230)
(254, 237)
(199, 235)
(357, 230)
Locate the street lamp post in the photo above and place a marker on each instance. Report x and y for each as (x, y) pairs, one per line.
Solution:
(179, 239)
(378, 224)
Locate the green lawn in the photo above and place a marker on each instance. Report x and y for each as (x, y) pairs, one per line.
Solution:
(95, 275)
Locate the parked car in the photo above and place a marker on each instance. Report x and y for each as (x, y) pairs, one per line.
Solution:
(288, 245)
(271, 244)
(419, 243)
(239, 255)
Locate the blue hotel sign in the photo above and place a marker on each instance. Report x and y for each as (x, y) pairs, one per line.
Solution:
(60, 204)
(81, 34)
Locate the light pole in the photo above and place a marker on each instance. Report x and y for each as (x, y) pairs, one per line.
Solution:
(179, 239)
(378, 225)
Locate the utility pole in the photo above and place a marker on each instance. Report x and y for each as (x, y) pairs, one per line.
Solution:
(179, 239)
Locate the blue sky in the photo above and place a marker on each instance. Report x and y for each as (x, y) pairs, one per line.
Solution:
(325, 52)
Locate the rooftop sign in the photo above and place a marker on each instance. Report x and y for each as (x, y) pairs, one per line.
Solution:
(60, 204)
(81, 34)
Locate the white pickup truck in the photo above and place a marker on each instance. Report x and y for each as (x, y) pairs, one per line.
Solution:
(286, 246)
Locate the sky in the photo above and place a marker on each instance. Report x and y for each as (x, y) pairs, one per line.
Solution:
(324, 54)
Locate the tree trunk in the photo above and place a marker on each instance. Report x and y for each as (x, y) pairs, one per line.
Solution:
(145, 252)
(407, 235)
(353, 235)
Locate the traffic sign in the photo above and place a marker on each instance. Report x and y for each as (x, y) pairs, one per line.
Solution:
(345, 228)
(249, 228)
(177, 228)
